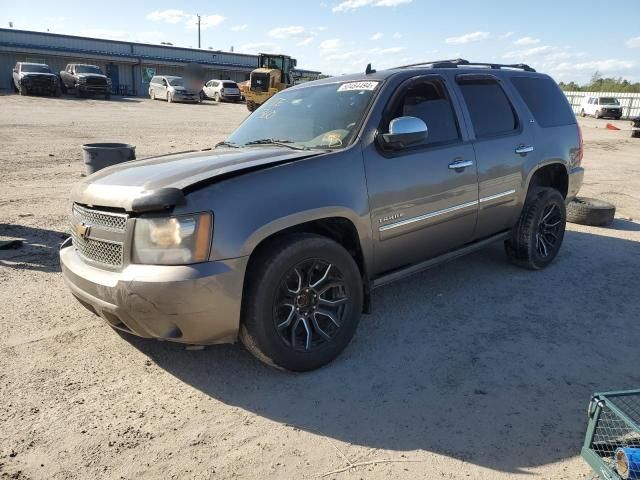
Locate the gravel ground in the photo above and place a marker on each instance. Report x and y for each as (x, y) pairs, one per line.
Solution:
(474, 369)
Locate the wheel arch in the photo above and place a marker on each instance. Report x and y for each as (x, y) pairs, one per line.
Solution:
(339, 227)
(553, 174)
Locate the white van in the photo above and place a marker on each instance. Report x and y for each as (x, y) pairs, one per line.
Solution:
(600, 107)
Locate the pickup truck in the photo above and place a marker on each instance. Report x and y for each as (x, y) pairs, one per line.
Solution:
(280, 234)
(85, 79)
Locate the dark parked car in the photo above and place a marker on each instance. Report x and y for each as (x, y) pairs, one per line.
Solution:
(34, 78)
(85, 79)
(333, 188)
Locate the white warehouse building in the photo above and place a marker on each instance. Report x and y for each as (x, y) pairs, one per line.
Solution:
(130, 65)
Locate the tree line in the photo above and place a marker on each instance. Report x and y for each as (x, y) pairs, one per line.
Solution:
(598, 83)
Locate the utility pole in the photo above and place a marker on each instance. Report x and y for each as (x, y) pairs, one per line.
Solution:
(198, 30)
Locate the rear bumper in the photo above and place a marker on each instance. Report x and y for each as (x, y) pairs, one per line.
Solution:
(194, 304)
(576, 176)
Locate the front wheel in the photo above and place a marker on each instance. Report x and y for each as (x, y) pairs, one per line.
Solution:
(251, 106)
(596, 114)
(216, 97)
(169, 97)
(582, 114)
(302, 303)
(538, 235)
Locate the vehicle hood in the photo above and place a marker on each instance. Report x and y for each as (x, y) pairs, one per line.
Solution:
(37, 74)
(90, 75)
(124, 185)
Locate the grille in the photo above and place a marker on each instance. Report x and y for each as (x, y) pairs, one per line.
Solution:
(103, 251)
(98, 251)
(96, 81)
(108, 220)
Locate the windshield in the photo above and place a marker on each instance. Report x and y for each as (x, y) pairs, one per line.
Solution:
(322, 116)
(88, 69)
(609, 101)
(35, 68)
(175, 82)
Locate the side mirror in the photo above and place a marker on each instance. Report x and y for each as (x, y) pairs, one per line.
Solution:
(405, 131)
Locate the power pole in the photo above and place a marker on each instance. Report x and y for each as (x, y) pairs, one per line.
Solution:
(198, 31)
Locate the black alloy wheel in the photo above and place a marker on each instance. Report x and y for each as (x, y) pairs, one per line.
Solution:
(549, 233)
(310, 305)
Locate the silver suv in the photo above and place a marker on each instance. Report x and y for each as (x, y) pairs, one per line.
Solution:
(328, 191)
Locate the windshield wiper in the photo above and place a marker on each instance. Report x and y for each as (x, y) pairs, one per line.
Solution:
(226, 144)
(280, 143)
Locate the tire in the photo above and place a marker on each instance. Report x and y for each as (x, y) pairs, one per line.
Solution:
(202, 96)
(251, 106)
(538, 234)
(298, 336)
(169, 97)
(590, 211)
(216, 97)
(596, 114)
(582, 114)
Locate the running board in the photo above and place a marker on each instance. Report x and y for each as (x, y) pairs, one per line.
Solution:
(432, 262)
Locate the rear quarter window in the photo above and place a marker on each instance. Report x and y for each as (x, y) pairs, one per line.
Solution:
(545, 100)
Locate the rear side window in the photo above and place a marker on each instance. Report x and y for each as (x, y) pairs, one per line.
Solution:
(545, 100)
(490, 109)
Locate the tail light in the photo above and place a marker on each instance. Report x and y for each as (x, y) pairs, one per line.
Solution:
(580, 154)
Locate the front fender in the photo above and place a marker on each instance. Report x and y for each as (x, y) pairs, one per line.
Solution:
(299, 218)
(252, 206)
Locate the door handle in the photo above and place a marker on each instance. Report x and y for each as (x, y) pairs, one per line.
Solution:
(460, 164)
(523, 149)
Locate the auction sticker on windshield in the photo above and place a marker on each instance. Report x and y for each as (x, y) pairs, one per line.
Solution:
(346, 87)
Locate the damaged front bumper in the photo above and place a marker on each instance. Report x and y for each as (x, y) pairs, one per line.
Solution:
(193, 304)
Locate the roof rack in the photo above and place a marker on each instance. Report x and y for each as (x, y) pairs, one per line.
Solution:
(455, 63)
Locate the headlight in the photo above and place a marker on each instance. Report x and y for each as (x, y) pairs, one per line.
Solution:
(177, 240)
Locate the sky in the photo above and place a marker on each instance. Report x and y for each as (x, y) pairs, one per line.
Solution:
(557, 37)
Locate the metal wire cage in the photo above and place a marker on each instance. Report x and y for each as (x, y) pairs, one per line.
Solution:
(614, 422)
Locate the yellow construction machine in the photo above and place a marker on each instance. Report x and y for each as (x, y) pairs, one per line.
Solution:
(272, 75)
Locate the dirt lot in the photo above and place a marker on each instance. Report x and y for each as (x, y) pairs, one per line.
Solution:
(476, 369)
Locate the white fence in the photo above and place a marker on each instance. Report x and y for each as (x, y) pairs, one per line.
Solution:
(630, 101)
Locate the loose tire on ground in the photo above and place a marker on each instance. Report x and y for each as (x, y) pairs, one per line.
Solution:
(590, 211)
(538, 235)
(292, 283)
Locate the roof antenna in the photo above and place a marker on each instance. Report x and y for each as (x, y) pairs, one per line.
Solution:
(369, 70)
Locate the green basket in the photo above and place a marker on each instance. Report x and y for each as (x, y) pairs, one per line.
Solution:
(614, 422)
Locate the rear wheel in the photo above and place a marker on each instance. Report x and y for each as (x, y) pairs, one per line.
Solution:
(302, 303)
(216, 97)
(538, 235)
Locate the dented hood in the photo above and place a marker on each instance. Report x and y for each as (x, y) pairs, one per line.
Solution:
(158, 182)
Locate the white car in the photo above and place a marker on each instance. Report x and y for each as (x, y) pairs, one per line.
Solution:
(220, 90)
(599, 107)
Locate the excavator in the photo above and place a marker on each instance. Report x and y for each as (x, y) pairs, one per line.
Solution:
(272, 75)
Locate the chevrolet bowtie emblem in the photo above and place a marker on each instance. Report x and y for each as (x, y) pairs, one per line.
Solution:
(82, 230)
